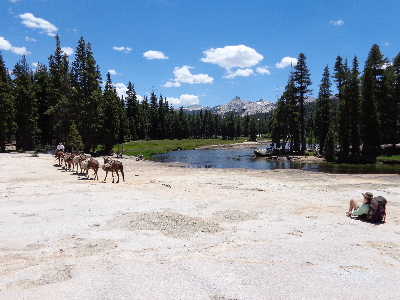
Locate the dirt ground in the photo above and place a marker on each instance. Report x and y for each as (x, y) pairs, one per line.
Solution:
(171, 232)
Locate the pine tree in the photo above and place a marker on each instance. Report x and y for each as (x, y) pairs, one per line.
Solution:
(42, 93)
(301, 76)
(396, 100)
(133, 113)
(154, 117)
(353, 94)
(111, 116)
(86, 82)
(371, 91)
(28, 133)
(61, 109)
(123, 132)
(344, 113)
(75, 139)
(323, 109)
(8, 125)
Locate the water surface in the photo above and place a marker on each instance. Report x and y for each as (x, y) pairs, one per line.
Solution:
(244, 158)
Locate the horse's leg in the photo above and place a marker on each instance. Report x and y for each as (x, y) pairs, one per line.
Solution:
(122, 172)
(117, 175)
(106, 176)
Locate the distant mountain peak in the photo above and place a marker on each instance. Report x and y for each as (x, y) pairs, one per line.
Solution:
(236, 106)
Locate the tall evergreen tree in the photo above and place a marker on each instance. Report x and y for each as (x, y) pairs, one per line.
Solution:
(344, 113)
(301, 76)
(154, 117)
(123, 132)
(396, 100)
(61, 110)
(133, 113)
(353, 95)
(8, 125)
(111, 116)
(42, 93)
(28, 133)
(323, 109)
(371, 91)
(86, 82)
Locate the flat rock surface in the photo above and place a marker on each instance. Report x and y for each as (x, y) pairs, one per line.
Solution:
(170, 232)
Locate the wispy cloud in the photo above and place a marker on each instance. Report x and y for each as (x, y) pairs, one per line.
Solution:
(67, 50)
(263, 71)
(286, 62)
(183, 75)
(230, 57)
(240, 72)
(337, 23)
(28, 39)
(124, 49)
(14, 1)
(6, 45)
(30, 21)
(113, 72)
(151, 54)
(183, 100)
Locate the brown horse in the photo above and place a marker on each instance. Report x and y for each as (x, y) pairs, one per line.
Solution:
(113, 165)
(90, 163)
(59, 155)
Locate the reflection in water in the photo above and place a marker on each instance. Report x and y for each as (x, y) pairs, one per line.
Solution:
(244, 158)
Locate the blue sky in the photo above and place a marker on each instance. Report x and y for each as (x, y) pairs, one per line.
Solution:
(202, 51)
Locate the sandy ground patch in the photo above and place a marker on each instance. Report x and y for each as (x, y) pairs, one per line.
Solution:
(169, 232)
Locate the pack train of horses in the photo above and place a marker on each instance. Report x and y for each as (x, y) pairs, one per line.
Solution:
(71, 162)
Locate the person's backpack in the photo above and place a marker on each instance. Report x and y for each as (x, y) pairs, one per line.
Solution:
(377, 210)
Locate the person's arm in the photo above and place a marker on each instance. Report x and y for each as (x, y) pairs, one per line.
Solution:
(363, 209)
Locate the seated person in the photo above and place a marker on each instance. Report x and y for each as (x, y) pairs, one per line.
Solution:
(357, 210)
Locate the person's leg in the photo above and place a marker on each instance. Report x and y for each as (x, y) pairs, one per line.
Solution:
(353, 205)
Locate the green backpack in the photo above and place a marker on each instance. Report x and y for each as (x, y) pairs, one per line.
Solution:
(377, 210)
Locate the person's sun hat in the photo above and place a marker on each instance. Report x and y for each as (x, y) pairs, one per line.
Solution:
(368, 195)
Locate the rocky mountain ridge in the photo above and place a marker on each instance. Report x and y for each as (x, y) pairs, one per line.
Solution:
(238, 107)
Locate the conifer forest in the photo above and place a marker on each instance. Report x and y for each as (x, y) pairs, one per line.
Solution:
(67, 101)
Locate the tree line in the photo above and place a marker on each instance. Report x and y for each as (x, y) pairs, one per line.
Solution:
(361, 117)
(65, 101)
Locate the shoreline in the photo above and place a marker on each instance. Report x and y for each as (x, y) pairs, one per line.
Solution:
(169, 232)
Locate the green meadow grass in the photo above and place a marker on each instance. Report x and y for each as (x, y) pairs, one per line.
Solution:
(152, 147)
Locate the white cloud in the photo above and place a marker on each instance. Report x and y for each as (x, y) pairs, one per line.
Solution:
(14, 1)
(30, 21)
(35, 64)
(183, 100)
(172, 84)
(286, 62)
(124, 49)
(120, 89)
(6, 45)
(67, 50)
(337, 23)
(386, 44)
(151, 54)
(113, 72)
(229, 57)
(263, 70)
(183, 75)
(28, 39)
(239, 72)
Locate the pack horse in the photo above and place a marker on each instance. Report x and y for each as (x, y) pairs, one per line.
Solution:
(113, 165)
